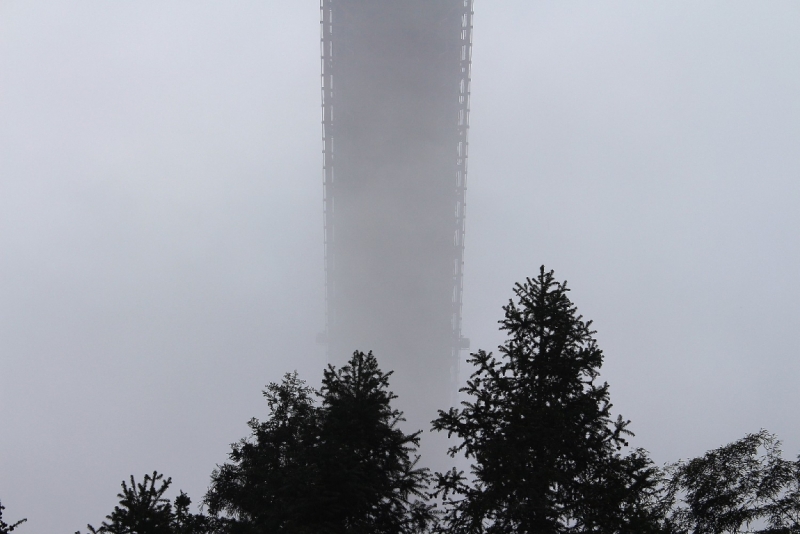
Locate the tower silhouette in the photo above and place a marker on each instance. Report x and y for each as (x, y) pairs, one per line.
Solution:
(395, 100)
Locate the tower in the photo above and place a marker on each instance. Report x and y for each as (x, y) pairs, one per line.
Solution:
(395, 100)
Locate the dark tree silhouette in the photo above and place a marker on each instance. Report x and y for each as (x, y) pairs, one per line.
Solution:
(5, 528)
(745, 486)
(546, 455)
(268, 485)
(143, 509)
(537, 428)
(342, 466)
(367, 463)
(185, 522)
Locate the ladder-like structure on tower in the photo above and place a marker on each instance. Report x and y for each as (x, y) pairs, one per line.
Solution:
(395, 108)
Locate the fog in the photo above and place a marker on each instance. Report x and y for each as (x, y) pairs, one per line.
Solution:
(161, 232)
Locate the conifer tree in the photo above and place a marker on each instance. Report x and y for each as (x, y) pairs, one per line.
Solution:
(143, 509)
(268, 484)
(745, 486)
(546, 453)
(340, 466)
(367, 462)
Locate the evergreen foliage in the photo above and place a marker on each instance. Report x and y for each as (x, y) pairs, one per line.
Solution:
(342, 466)
(143, 509)
(5, 528)
(745, 486)
(367, 463)
(537, 428)
(267, 485)
(546, 456)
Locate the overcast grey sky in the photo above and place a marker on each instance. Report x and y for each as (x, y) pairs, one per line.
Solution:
(161, 226)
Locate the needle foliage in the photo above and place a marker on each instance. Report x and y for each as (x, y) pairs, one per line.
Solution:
(340, 466)
(6, 528)
(546, 454)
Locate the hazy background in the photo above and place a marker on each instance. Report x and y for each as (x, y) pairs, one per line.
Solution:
(161, 221)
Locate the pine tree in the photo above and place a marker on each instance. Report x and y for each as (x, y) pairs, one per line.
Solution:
(546, 454)
(341, 466)
(143, 509)
(268, 485)
(367, 463)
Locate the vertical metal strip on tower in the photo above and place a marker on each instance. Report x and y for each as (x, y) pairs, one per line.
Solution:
(326, 53)
(459, 342)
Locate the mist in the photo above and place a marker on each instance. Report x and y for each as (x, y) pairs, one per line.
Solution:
(161, 226)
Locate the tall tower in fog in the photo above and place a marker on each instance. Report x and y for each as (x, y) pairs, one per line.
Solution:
(395, 99)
